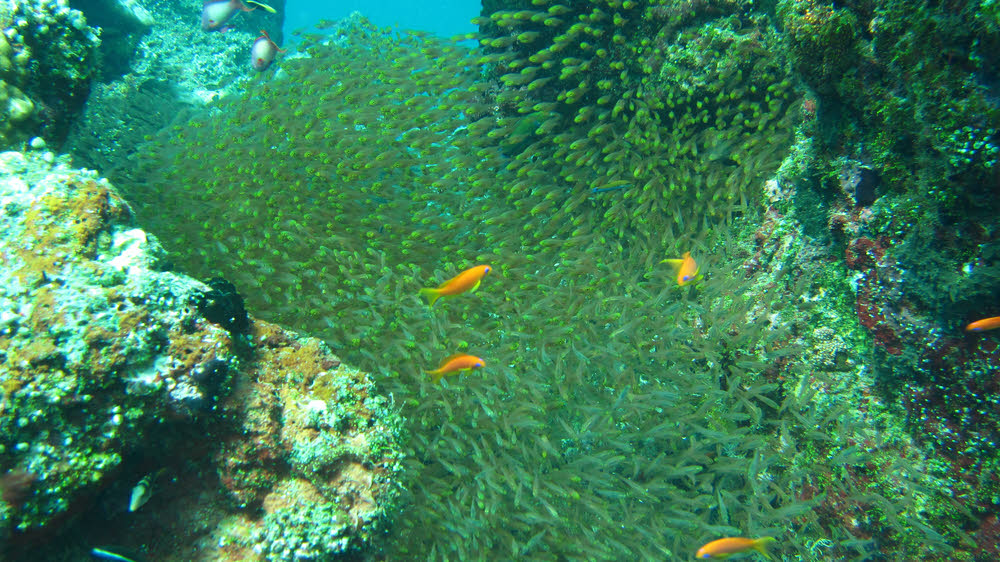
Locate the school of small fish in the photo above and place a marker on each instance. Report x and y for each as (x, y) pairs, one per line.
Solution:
(687, 272)
(214, 17)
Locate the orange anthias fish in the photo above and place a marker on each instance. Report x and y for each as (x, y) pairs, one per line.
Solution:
(686, 269)
(455, 364)
(468, 280)
(723, 548)
(984, 324)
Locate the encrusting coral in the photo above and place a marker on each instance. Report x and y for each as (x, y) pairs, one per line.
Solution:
(112, 369)
(47, 62)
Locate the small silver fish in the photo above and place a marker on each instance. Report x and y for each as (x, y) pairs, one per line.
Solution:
(115, 554)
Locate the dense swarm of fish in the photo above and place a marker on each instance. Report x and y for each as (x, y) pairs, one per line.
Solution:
(602, 397)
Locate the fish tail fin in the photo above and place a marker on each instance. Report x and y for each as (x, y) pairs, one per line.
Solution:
(674, 264)
(435, 375)
(432, 295)
(260, 5)
(760, 545)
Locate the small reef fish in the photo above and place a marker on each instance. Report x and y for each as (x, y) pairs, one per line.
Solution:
(455, 364)
(984, 325)
(263, 51)
(723, 548)
(215, 13)
(468, 280)
(685, 268)
(607, 189)
(115, 554)
(143, 491)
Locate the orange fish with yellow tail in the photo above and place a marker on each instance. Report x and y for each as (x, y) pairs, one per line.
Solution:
(455, 364)
(984, 325)
(685, 268)
(468, 280)
(724, 548)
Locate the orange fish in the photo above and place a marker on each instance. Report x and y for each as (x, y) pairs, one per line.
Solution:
(686, 269)
(723, 548)
(468, 280)
(455, 364)
(984, 324)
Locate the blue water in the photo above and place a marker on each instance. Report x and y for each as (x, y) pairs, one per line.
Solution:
(444, 17)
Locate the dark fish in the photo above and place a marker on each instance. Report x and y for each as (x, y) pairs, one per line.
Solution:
(864, 191)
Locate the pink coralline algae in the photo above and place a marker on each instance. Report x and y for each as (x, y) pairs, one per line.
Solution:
(867, 256)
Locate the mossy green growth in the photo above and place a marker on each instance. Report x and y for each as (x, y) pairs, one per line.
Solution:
(823, 39)
(47, 60)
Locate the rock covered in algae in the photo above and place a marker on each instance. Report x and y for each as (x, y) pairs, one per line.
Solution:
(320, 455)
(47, 61)
(106, 358)
(96, 344)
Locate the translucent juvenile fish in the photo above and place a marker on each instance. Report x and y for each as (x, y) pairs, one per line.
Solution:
(724, 548)
(468, 280)
(455, 364)
(685, 268)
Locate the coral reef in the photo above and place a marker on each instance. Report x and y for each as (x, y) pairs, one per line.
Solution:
(122, 23)
(831, 166)
(619, 416)
(92, 340)
(823, 39)
(47, 62)
(917, 108)
(111, 368)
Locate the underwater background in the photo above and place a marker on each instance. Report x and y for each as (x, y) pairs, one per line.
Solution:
(744, 263)
(444, 18)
